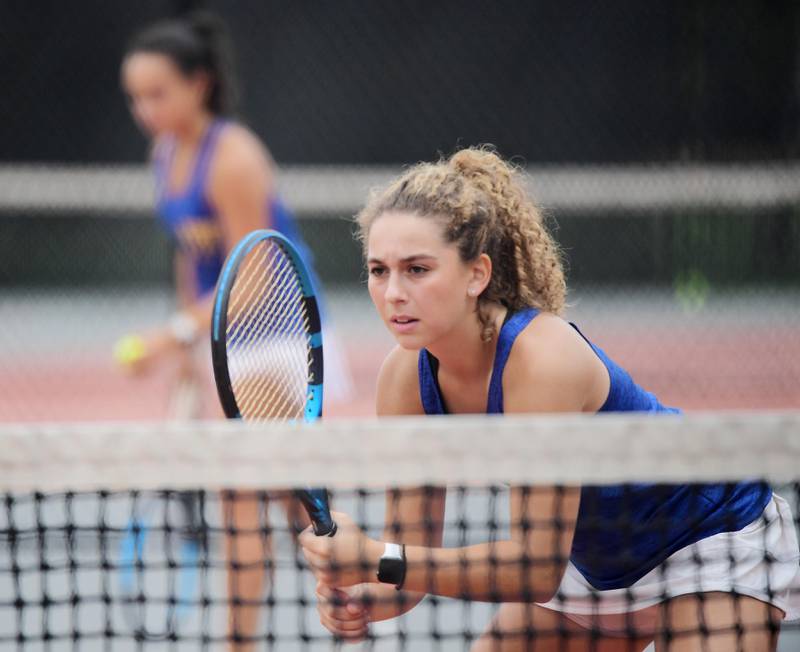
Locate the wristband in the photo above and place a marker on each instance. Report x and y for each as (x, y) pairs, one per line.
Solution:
(183, 327)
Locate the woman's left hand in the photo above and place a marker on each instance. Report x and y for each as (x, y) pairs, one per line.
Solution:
(347, 558)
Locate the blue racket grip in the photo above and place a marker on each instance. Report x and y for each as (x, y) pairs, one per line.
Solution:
(316, 503)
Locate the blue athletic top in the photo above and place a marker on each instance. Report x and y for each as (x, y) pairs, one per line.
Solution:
(191, 220)
(622, 531)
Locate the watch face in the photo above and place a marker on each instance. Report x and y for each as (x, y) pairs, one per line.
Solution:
(392, 566)
(391, 570)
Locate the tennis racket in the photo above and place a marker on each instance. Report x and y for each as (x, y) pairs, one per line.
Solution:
(266, 344)
(164, 543)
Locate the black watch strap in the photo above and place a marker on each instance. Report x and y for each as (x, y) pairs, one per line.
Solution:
(392, 565)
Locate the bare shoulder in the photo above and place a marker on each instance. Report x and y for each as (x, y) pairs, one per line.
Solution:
(552, 368)
(239, 151)
(398, 384)
(547, 336)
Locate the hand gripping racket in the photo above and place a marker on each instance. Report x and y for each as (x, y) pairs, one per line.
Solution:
(266, 344)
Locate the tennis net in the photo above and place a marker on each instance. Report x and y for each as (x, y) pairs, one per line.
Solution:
(183, 536)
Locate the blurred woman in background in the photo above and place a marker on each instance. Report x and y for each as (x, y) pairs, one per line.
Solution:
(215, 183)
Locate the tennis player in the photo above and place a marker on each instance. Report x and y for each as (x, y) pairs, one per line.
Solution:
(470, 283)
(215, 183)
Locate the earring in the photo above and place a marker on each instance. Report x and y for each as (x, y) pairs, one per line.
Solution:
(471, 292)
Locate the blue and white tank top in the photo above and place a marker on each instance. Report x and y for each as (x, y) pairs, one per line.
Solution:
(191, 220)
(622, 531)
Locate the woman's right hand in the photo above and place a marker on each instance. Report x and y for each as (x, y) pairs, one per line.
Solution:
(140, 353)
(345, 612)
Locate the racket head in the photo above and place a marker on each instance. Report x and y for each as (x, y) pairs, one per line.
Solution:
(266, 333)
(266, 344)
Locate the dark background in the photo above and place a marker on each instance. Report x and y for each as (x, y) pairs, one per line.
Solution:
(357, 82)
(390, 82)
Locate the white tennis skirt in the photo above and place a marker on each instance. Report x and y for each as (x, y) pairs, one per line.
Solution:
(762, 560)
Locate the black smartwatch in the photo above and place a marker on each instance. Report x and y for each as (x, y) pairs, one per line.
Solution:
(392, 566)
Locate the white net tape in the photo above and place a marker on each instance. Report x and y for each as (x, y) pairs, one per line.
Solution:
(476, 450)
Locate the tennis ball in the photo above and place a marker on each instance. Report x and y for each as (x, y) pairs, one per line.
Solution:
(129, 350)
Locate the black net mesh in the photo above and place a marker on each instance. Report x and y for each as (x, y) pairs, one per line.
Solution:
(488, 564)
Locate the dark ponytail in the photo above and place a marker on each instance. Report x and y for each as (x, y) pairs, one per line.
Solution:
(197, 42)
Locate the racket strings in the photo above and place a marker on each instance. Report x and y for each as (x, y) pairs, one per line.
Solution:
(266, 310)
(279, 401)
(267, 389)
(261, 389)
(246, 288)
(267, 337)
(254, 297)
(250, 291)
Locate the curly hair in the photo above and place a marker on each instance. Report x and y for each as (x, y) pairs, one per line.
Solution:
(484, 209)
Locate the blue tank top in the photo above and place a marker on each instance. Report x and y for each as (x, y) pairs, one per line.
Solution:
(191, 220)
(622, 531)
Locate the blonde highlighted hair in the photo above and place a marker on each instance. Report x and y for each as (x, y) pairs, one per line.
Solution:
(480, 200)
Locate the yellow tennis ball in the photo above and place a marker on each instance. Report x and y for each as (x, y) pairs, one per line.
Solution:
(129, 350)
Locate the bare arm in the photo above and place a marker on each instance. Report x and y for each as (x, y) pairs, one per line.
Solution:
(550, 369)
(527, 567)
(413, 516)
(241, 182)
(185, 282)
(549, 372)
(347, 612)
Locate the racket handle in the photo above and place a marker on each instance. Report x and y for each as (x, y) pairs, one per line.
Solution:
(316, 503)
